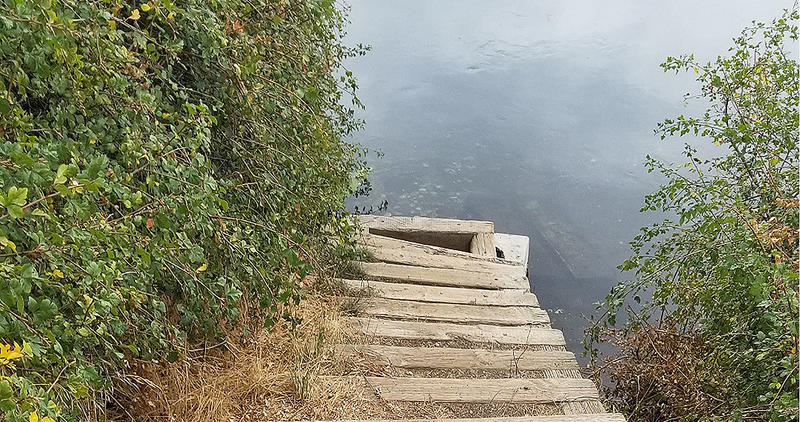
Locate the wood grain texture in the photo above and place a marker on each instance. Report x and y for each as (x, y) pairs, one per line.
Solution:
(443, 276)
(604, 417)
(443, 331)
(515, 248)
(450, 358)
(398, 251)
(439, 294)
(483, 244)
(479, 390)
(462, 314)
(426, 224)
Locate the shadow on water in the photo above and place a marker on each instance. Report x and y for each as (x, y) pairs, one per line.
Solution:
(568, 298)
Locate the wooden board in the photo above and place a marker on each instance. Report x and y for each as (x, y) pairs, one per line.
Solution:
(483, 244)
(515, 247)
(604, 417)
(446, 233)
(477, 390)
(440, 294)
(448, 358)
(426, 224)
(442, 276)
(409, 253)
(443, 331)
(448, 312)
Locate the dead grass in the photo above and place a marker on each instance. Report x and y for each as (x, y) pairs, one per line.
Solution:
(272, 375)
(283, 373)
(662, 373)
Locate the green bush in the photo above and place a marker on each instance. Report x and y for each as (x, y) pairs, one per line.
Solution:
(719, 281)
(163, 165)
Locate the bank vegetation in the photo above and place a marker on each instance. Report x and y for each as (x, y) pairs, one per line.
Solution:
(170, 174)
(706, 328)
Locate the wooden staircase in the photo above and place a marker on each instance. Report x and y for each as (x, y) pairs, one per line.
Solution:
(450, 322)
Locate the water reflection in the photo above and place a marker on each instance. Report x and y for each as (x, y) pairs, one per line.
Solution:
(536, 115)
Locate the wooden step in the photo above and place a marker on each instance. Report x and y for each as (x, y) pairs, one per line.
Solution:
(448, 358)
(443, 331)
(443, 276)
(476, 390)
(463, 314)
(399, 251)
(598, 417)
(452, 234)
(425, 224)
(437, 294)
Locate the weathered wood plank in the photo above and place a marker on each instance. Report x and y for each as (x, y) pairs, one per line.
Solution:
(438, 294)
(515, 247)
(404, 252)
(456, 313)
(443, 276)
(426, 224)
(477, 390)
(442, 331)
(604, 417)
(483, 244)
(449, 358)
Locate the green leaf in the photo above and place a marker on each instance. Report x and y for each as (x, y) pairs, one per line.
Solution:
(162, 220)
(27, 350)
(15, 211)
(7, 243)
(16, 196)
(7, 402)
(5, 106)
(61, 174)
(42, 310)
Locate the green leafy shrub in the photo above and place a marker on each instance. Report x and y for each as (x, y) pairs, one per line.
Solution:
(163, 165)
(715, 335)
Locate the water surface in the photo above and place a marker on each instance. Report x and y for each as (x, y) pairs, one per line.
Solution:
(536, 115)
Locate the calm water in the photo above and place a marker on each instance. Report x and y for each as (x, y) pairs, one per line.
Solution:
(536, 115)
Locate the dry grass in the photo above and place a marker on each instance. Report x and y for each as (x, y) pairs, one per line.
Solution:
(271, 375)
(278, 374)
(662, 373)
